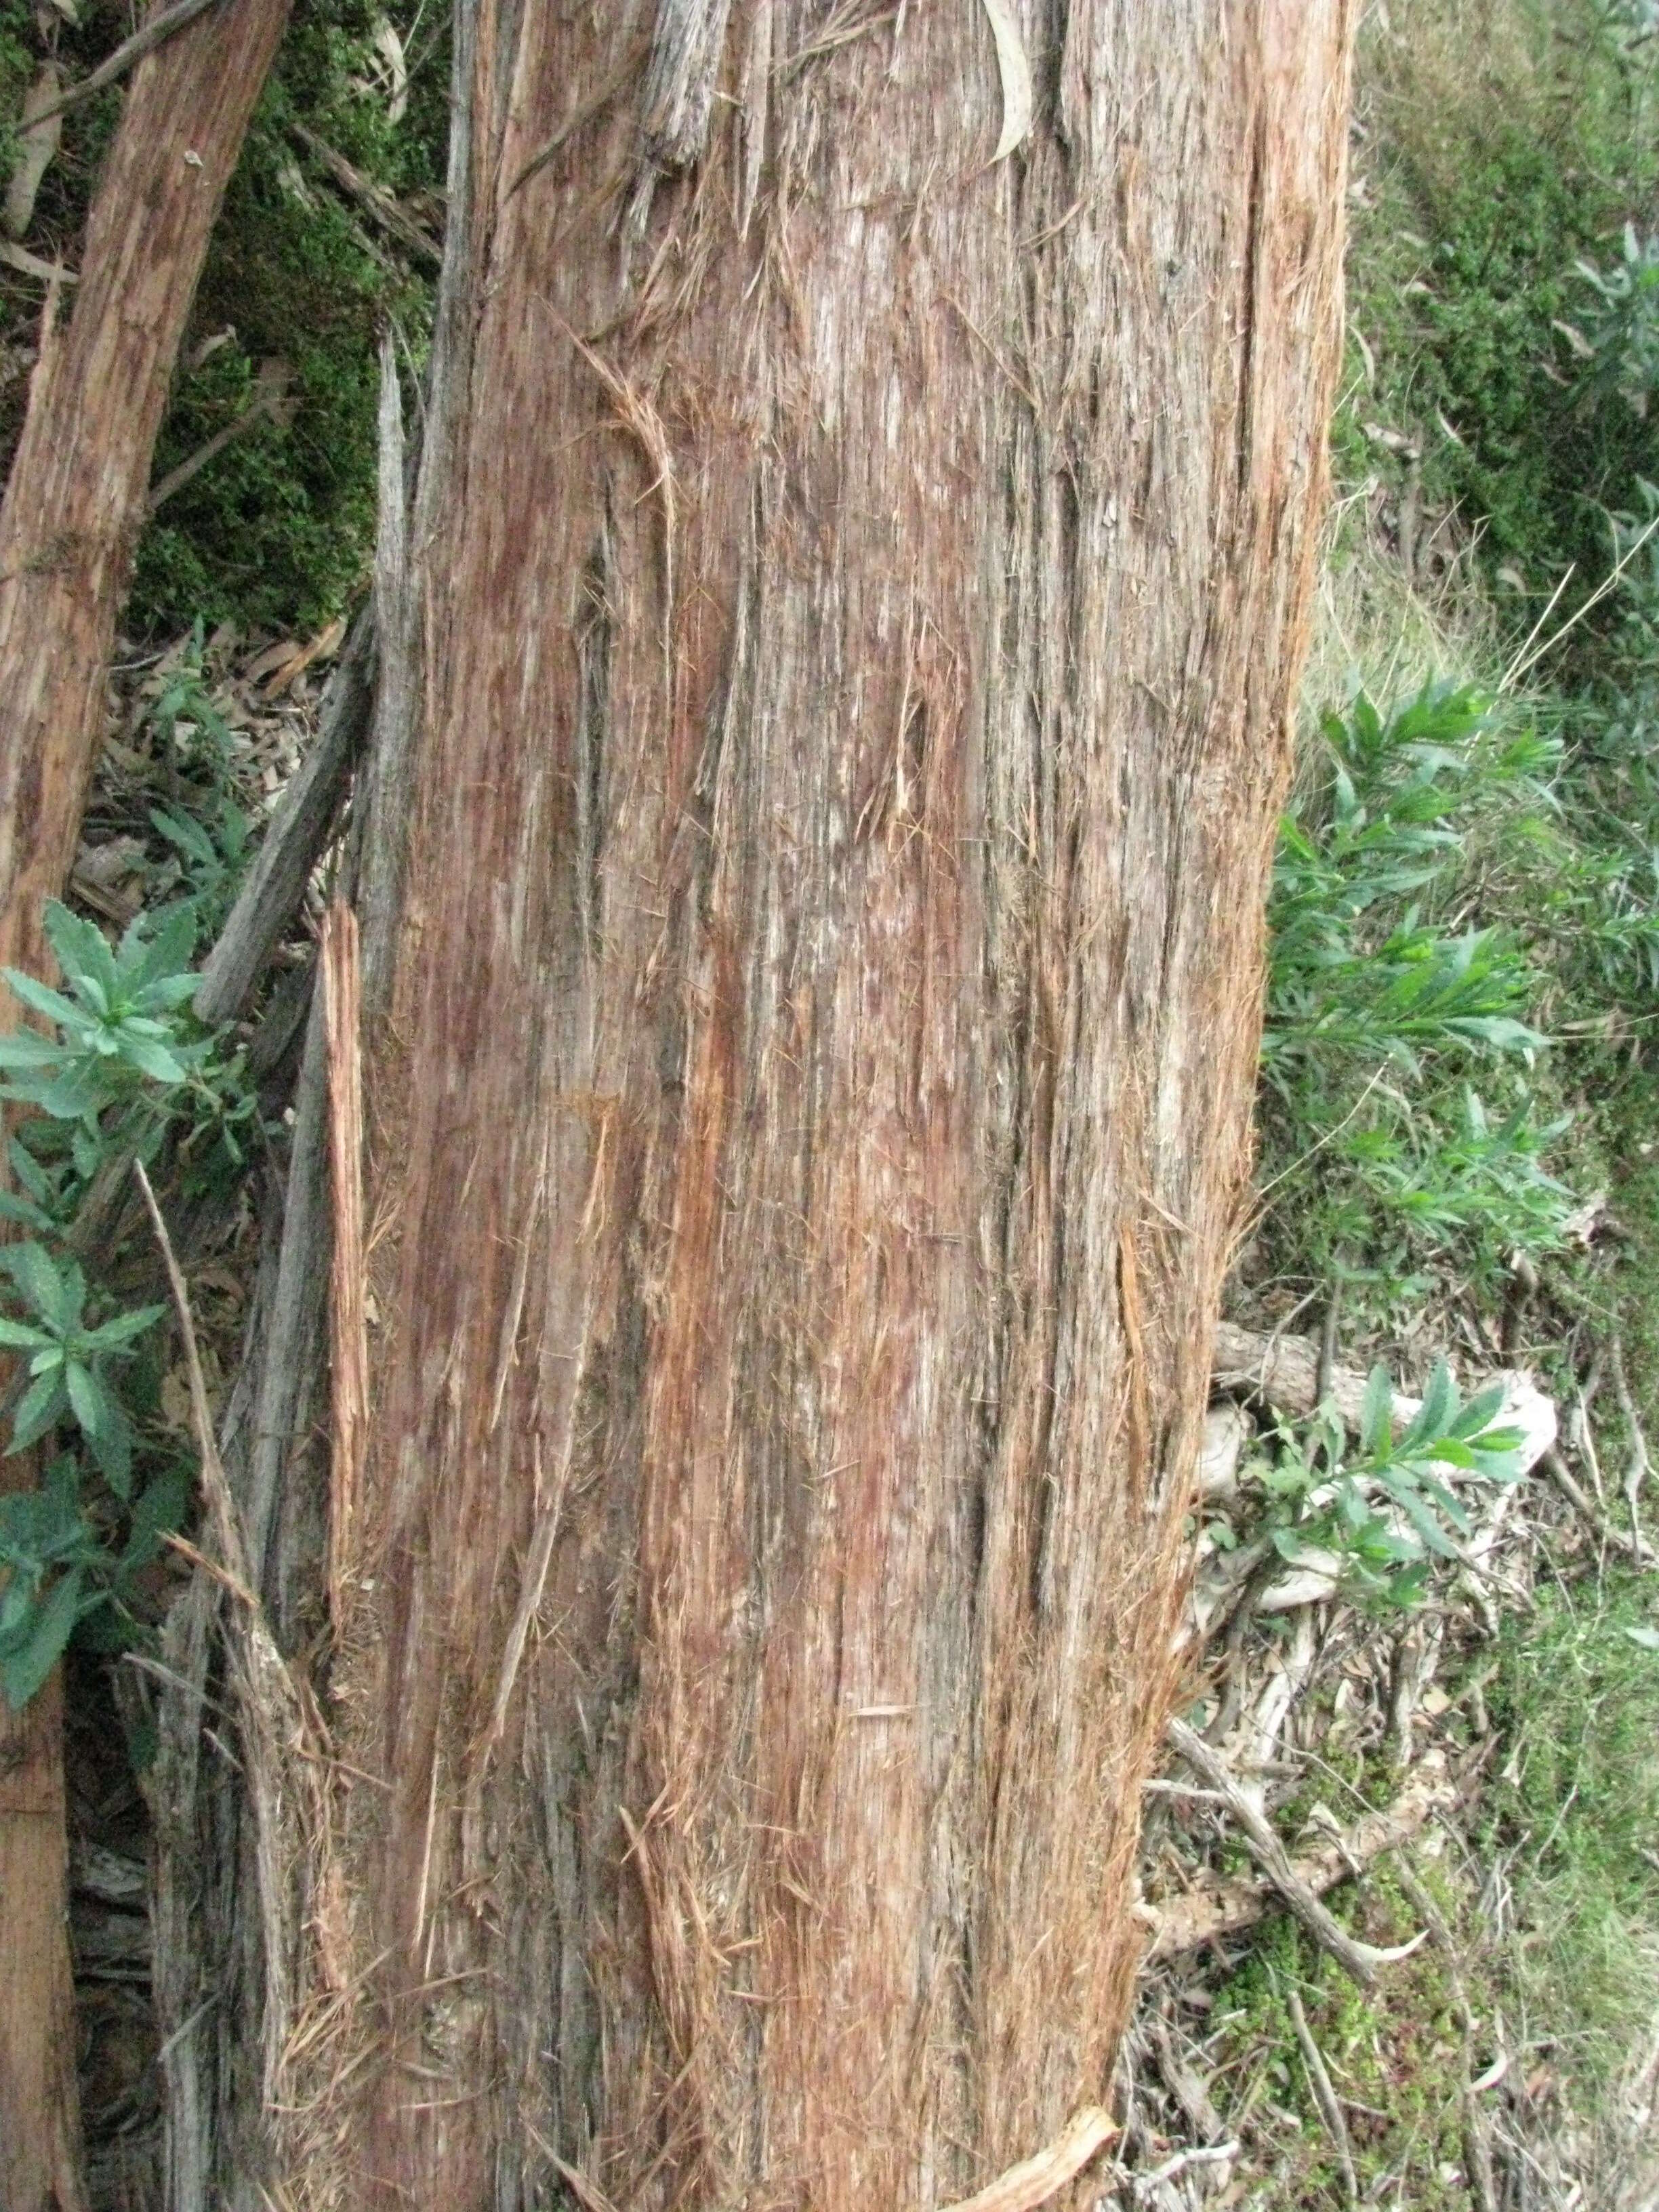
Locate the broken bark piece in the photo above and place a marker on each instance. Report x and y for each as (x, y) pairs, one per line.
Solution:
(299, 830)
(37, 143)
(1227, 1430)
(1037, 2180)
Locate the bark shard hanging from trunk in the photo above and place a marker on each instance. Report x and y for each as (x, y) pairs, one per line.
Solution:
(845, 737)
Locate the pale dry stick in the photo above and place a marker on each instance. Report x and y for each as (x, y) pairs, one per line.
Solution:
(1640, 1465)
(30, 265)
(1037, 2180)
(1325, 2096)
(1477, 2146)
(1591, 1457)
(1525, 659)
(1635, 1545)
(159, 28)
(1143, 2185)
(1477, 2155)
(222, 1507)
(338, 959)
(380, 204)
(271, 398)
(1226, 1905)
(1360, 1960)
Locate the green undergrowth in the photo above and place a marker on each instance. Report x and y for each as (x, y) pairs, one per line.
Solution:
(1571, 1821)
(1551, 1906)
(1462, 1051)
(277, 532)
(1505, 145)
(1394, 2053)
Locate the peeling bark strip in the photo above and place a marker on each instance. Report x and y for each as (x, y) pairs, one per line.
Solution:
(343, 1015)
(73, 508)
(686, 53)
(847, 718)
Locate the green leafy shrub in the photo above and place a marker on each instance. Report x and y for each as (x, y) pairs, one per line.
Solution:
(1398, 1057)
(124, 1070)
(1492, 292)
(1386, 1510)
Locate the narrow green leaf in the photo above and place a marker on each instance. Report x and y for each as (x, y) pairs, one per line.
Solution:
(123, 1327)
(87, 1398)
(23, 1671)
(43, 1403)
(1375, 1413)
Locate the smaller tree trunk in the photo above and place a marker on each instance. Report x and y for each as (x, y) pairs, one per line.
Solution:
(79, 485)
(39, 2110)
(73, 509)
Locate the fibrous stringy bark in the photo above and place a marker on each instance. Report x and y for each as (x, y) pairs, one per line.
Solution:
(847, 710)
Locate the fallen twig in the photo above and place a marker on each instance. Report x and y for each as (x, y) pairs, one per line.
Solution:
(1143, 2185)
(1360, 1960)
(1225, 1906)
(30, 265)
(1285, 1370)
(1035, 2181)
(151, 34)
(271, 400)
(370, 197)
(1325, 2096)
(281, 1757)
(1628, 1540)
(1640, 1464)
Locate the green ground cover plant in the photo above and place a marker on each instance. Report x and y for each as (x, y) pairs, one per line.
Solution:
(1462, 1012)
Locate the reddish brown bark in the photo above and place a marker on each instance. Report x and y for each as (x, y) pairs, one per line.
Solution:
(73, 509)
(74, 501)
(852, 696)
(39, 2109)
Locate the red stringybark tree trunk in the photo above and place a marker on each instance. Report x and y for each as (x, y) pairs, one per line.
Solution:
(73, 508)
(835, 712)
